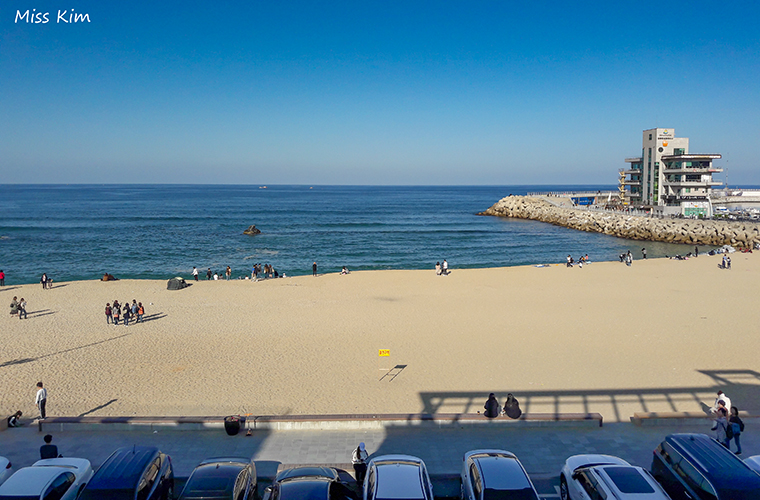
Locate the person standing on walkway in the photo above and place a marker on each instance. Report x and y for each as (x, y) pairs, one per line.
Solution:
(314, 269)
(41, 400)
(22, 308)
(359, 459)
(721, 426)
(195, 273)
(491, 406)
(109, 313)
(736, 427)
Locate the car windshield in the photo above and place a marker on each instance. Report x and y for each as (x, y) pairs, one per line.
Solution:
(628, 480)
(523, 494)
(211, 484)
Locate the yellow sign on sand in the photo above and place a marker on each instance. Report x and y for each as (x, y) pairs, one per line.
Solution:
(384, 352)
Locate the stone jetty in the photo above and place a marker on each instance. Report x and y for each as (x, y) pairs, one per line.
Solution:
(687, 231)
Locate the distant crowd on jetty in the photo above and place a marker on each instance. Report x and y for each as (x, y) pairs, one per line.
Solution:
(686, 231)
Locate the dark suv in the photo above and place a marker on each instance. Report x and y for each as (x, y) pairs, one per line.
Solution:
(132, 473)
(695, 466)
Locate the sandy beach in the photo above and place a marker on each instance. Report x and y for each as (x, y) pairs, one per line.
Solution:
(661, 335)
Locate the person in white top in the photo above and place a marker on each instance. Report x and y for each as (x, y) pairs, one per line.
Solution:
(195, 273)
(445, 267)
(359, 459)
(41, 399)
(726, 402)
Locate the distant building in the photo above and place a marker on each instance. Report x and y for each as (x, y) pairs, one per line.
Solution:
(667, 177)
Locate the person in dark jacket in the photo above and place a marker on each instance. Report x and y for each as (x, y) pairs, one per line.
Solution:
(735, 423)
(491, 406)
(48, 450)
(512, 407)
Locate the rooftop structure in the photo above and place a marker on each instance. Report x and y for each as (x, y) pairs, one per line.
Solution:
(667, 175)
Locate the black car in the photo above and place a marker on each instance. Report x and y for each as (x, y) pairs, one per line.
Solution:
(221, 478)
(308, 483)
(132, 473)
(696, 466)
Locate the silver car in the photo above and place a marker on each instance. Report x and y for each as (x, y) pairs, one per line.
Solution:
(495, 475)
(392, 477)
(587, 477)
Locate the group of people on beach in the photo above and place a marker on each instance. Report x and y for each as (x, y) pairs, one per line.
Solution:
(442, 268)
(511, 407)
(18, 308)
(583, 259)
(258, 271)
(116, 312)
(47, 281)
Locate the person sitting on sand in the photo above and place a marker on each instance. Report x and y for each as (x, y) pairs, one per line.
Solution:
(344, 270)
(14, 306)
(438, 268)
(491, 406)
(15, 419)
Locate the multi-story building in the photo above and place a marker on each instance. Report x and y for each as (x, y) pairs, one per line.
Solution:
(667, 178)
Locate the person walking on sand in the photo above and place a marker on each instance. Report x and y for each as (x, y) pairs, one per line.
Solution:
(491, 406)
(22, 308)
(359, 459)
(721, 427)
(109, 313)
(195, 273)
(736, 427)
(314, 269)
(41, 400)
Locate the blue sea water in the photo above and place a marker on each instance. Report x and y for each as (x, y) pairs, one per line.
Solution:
(77, 232)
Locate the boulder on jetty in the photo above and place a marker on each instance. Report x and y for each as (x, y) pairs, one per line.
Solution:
(623, 225)
(252, 231)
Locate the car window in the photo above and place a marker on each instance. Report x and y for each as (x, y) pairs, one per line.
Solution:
(59, 486)
(239, 490)
(629, 480)
(591, 486)
(475, 481)
(694, 479)
(146, 481)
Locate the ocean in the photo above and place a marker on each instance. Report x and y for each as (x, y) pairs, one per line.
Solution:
(79, 232)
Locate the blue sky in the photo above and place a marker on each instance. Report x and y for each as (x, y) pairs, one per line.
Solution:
(372, 92)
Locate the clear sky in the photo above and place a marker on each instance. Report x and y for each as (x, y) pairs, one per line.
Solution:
(366, 92)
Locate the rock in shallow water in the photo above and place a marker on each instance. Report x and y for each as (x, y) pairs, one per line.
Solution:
(252, 230)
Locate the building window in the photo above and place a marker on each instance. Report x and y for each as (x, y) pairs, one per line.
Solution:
(679, 151)
(650, 137)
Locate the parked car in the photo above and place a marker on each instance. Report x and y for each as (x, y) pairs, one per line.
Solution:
(753, 463)
(695, 466)
(49, 479)
(308, 483)
(5, 469)
(495, 474)
(593, 477)
(222, 478)
(132, 473)
(397, 477)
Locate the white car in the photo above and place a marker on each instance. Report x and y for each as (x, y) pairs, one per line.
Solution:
(495, 474)
(586, 477)
(5, 469)
(49, 479)
(397, 477)
(753, 462)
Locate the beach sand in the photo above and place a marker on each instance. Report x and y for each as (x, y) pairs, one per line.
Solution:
(661, 335)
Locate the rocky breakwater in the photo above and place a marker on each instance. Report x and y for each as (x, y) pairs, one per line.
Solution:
(687, 231)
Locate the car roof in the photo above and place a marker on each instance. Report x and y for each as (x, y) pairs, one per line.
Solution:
(502, 472)
(307, 472)
(212, 480)
(227, 460)
(399, 476)
(630, 481)
(80, 464)
(306, 489)
(721, 467)
(123, 469)
(31, 480)
(591, 460)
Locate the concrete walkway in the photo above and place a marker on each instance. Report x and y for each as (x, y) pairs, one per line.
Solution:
(542, 450)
